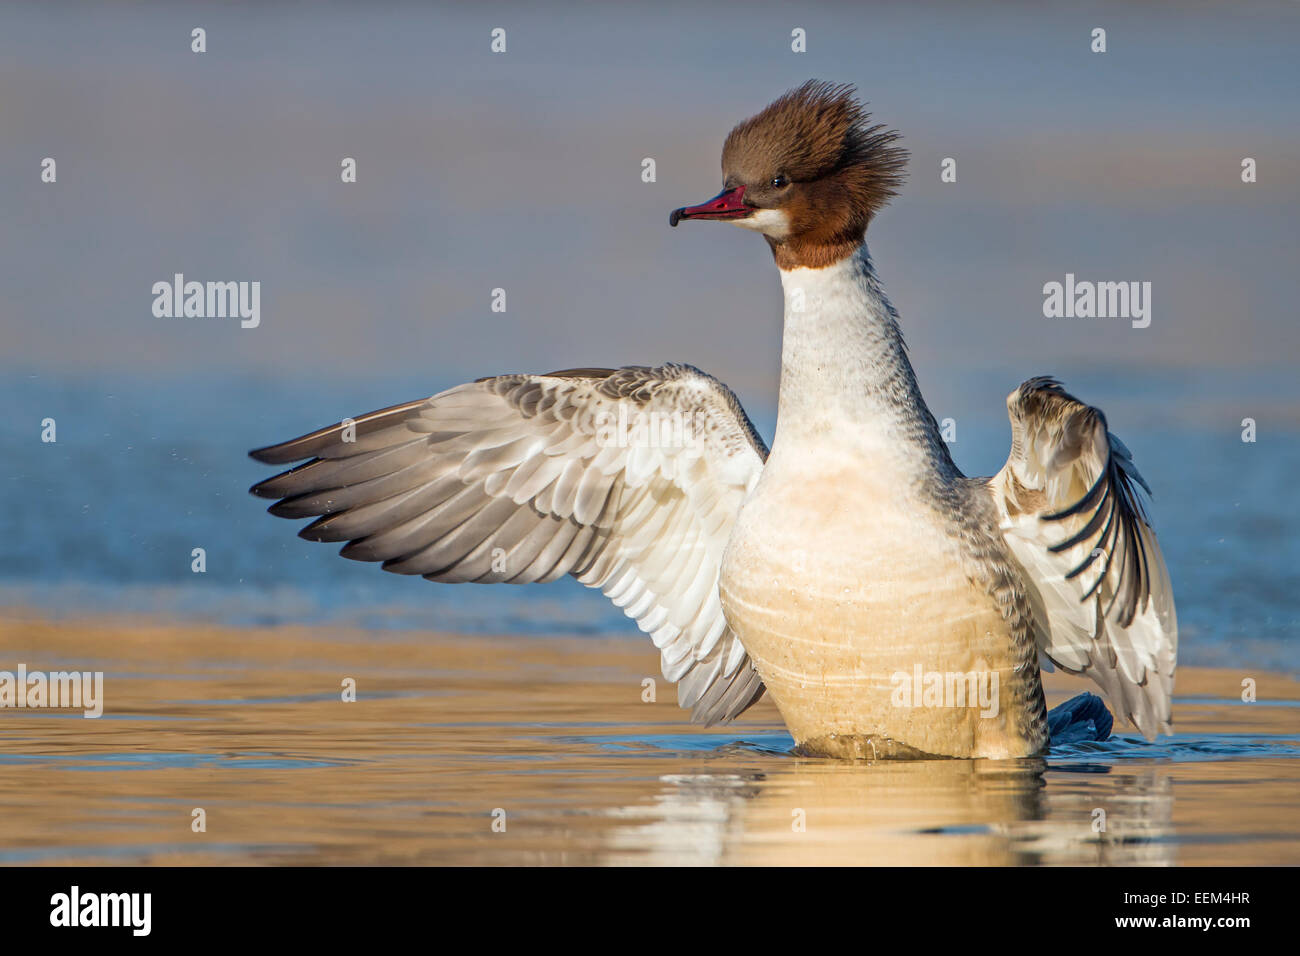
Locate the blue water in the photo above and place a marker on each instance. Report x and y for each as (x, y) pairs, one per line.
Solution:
(144, 471)
(1092, 757)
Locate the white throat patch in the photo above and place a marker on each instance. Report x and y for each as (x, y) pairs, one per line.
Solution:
(770, 222)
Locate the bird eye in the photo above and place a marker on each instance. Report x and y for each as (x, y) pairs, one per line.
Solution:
(779, 182)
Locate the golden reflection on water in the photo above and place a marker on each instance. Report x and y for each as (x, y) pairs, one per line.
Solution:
(945, 813)
(552, 735)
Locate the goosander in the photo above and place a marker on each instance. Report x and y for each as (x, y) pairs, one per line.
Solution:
(892, 606)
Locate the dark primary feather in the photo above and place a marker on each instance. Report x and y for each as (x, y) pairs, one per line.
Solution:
(1112, 502)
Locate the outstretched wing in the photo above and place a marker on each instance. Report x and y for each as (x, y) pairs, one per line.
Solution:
(629, 480)
(1072, 517)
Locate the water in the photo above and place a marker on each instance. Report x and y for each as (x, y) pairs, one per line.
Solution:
(449, 734)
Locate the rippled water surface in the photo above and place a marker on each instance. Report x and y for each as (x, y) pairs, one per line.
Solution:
(551, 739)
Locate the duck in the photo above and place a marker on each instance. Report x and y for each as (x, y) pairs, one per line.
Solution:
(891, 606)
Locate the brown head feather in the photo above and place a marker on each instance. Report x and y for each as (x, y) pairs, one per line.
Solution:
(840, 170)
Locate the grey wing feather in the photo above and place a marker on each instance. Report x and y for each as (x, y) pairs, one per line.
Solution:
(629, 480)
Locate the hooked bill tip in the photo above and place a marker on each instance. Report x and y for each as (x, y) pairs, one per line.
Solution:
(675, 216)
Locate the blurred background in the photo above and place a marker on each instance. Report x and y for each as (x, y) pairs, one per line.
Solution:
(522, 170)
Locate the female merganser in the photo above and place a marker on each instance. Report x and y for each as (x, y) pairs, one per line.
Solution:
(892, 606)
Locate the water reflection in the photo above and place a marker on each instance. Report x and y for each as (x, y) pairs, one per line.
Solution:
(1126, 821)
(943, 813)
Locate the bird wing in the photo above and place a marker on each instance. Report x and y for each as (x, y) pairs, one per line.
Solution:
(1070, 513)
(629, 480)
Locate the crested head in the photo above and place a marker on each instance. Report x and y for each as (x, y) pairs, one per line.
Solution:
(809, 172)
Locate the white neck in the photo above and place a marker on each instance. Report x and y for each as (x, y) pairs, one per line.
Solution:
(845, 377)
